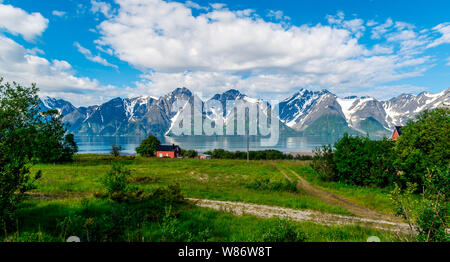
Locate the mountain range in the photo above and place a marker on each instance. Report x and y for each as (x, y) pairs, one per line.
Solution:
(304, 113)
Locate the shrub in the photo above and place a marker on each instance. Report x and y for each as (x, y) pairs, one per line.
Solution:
(424, 144)
(357, 161)
(283, 231)
(148, 146)
(116, 180)
(253, 155)
(362, 161)
(323, 163)
(189, 153)
(115, 150)
(29, 237)
(302, 157)
(266, 184)
(429, 215)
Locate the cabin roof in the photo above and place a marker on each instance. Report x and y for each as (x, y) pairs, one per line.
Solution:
(399, 130)
(168, 148)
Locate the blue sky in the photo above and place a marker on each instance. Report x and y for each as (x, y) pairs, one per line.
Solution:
(90, 51)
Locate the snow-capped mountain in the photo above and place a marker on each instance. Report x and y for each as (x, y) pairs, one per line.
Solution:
(296, 108)
(361, 114)
(213, 109)
(399, 109)
(61, 105)
(307, 112)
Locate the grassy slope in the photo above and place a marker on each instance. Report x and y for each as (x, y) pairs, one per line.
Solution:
(370, 197)
(210, 179)
(215, 179)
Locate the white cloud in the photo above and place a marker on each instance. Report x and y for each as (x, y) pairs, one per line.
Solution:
(380, 30)
(58, 13)
(355, 26)
(194, 5)
(444, 30)
(54, 77)
(88, 54)
(18, 22)
(448, 61)
(222, 49)
(402, 35)
(166, 37)
(278, 15)
(101, 7)
(218, 5)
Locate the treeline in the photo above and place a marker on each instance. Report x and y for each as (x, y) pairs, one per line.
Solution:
(424, 145)
(269, 154)
(417, 163)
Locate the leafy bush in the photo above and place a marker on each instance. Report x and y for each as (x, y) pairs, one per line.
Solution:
(115, 150)
(424, 144)
(266, 184)
(189, 153)
(323, 163)
(29, 237)
(128, 208)
(362, 161)
(148, 146)
(302, 157)
(428, 215)
(357, 161)
(253, 155)
(283, 231)
(116, 180)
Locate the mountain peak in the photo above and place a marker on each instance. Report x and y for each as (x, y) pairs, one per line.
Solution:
(181, 91)
(231, 94)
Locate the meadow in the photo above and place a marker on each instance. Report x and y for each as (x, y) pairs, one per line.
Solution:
(65, 201)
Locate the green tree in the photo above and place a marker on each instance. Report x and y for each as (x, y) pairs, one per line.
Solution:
(362, 161)
(19, 122)
(189, 153)
(424, 144)
(323, 162)
(70, 147)
(148, 146)
(115, 150)
(51, 144)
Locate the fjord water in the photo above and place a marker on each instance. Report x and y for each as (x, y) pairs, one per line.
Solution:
(102, 144)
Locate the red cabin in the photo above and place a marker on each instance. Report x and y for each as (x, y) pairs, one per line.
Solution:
(170, 151)
(397, 133)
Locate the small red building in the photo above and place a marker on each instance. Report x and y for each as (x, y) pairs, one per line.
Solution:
(397, 133)
(170, 151)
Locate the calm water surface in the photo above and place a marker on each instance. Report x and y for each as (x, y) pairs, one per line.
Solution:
(102, 144)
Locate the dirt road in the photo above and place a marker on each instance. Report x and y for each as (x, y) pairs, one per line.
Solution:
(264, 211)
(333, 199)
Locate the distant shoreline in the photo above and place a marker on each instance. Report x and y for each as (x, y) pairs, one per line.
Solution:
(291, 152)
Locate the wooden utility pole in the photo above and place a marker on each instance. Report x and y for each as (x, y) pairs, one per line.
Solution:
(248, 157)
(247, 131)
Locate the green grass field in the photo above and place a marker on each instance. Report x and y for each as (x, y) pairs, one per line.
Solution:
(65, 193)
(205, 179)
